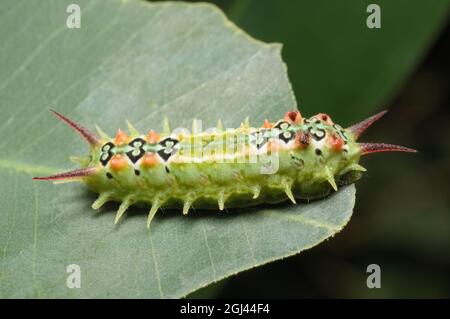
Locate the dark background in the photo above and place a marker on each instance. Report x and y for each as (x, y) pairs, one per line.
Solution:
(402, 216)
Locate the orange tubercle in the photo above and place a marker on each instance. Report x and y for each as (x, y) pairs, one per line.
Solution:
(149, 160)
(293, 117)
(152, 137)
(118, 162)
(324, 117)
(336, 143)
(267, 124)
(121, 138)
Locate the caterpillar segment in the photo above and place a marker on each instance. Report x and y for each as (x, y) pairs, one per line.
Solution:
(290, 159)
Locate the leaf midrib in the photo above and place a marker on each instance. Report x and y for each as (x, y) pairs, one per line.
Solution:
(30, 169)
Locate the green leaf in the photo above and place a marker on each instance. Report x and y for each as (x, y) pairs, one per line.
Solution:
(137, 61)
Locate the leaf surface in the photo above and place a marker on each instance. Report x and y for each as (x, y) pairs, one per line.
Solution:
(137, 61)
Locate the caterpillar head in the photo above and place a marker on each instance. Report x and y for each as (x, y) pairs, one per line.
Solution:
(320, 131)
(329, 150)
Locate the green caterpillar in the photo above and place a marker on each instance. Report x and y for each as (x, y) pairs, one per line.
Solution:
(293, 158)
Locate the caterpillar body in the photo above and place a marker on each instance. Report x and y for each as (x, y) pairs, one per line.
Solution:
(292, 158)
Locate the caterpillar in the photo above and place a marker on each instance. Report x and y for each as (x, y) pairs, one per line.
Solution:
(292, 158)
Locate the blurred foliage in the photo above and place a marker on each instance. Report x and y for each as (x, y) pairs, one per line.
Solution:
(402, 215)
(335, 63)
